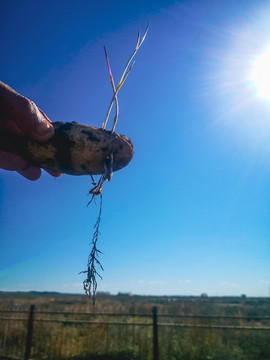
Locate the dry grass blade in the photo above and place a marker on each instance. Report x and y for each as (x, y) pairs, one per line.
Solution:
(114, 91)
(126, 71)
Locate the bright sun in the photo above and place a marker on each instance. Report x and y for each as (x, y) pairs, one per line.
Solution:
(261, 74)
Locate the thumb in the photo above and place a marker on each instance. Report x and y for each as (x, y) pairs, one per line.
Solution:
(24, 112)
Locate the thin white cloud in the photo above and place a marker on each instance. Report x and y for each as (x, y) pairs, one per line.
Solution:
(265, 282)
(185, 281)
(152, 282)
(229, 284)
(26, 285)
(77, 285)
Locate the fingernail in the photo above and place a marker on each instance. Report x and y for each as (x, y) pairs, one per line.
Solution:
(45, 128)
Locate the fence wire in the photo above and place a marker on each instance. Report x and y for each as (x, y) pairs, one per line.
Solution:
(70, 335)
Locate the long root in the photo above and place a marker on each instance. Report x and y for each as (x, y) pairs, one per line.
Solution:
(93, 265)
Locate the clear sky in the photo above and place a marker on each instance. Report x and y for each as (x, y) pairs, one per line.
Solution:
(191, 213)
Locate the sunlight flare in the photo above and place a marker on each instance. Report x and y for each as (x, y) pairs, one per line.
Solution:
(260, 74)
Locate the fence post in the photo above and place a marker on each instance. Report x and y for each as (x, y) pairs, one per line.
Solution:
(29, 333)
(155, 333)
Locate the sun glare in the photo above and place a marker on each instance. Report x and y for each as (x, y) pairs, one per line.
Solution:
(260, 74)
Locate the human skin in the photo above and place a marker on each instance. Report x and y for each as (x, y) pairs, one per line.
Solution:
(21, 116)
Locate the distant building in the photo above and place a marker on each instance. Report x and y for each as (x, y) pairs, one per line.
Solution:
(125, 294)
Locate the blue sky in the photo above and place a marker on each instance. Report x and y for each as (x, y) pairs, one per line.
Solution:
(190, 214)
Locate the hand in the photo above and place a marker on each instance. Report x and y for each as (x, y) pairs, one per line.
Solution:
(21, 116)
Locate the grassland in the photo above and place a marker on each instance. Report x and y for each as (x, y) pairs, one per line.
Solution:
(70, 327)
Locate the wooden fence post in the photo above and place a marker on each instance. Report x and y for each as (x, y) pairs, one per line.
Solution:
(29, 333)
(155, 333)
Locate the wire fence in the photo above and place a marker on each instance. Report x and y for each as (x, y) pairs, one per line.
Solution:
(38, 334)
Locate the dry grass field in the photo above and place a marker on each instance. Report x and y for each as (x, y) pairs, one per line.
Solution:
(121, 327)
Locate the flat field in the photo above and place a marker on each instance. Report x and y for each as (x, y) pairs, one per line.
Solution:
(68, 326)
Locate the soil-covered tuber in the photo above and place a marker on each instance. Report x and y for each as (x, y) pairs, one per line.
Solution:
(74, 149)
